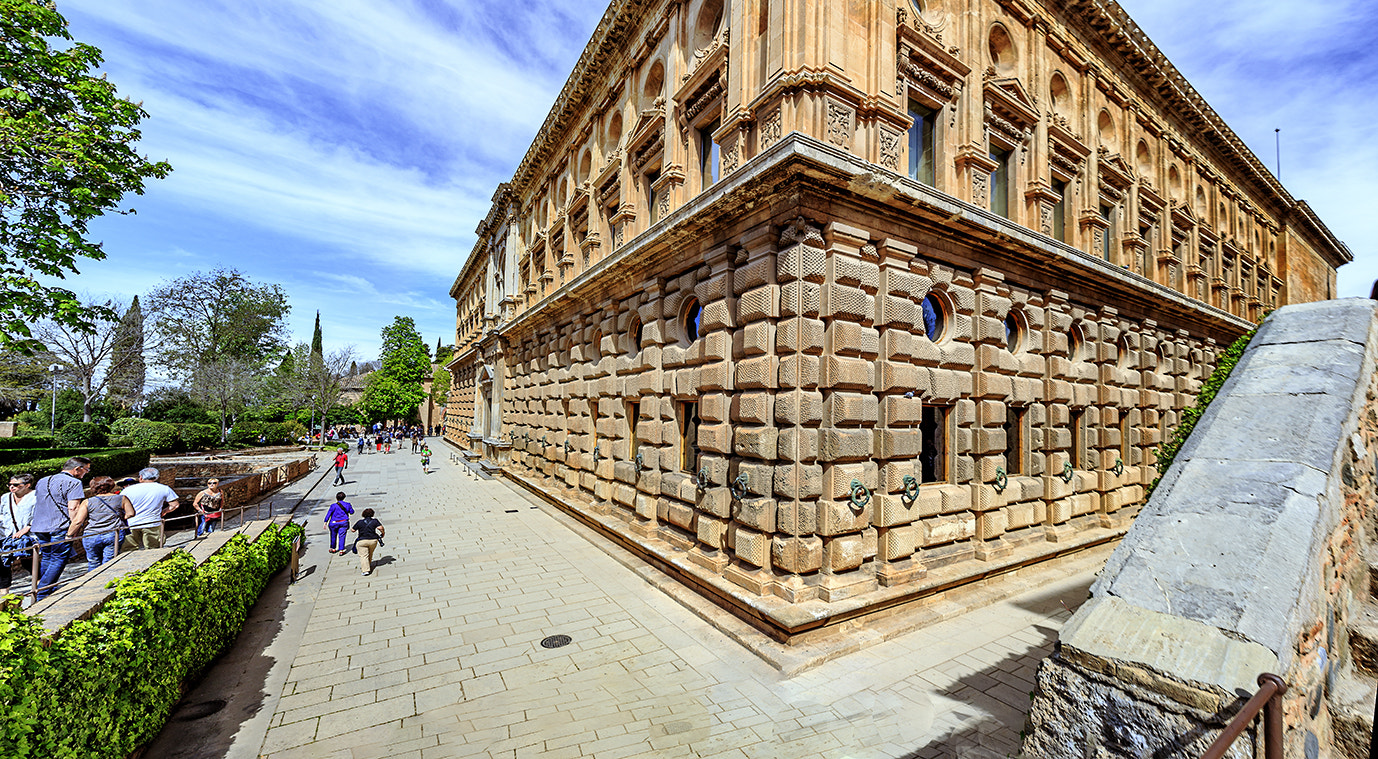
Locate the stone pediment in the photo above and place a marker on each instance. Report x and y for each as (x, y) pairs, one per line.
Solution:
(1008, 98)
(1114, 169)
(648, 120)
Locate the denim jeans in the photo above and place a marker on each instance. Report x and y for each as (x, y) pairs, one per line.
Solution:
(51, 561)
(209, 525)
(339, 475)
(338, 534)
(100, 548)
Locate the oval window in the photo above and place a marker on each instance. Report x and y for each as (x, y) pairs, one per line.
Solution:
(1014, 334)
(1076, 345)
(692, 321)
(1123, 360)
(934, 320)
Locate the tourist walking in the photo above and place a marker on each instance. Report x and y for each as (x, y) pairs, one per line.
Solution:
(426, 460)
(361, 444)
(16, 520)
(152, 501)
(337, 521)
(341, 461)
(209, 505)
(59, 515)
(370, 536)
(108, 514)
(387, 443)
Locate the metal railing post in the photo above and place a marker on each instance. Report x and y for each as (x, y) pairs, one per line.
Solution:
(33, 578)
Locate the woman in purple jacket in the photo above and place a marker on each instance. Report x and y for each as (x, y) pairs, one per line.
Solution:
(337, 521)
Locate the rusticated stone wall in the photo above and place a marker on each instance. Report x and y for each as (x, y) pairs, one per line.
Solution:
(810, 373)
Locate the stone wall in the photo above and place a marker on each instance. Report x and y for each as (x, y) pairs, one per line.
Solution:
(1249, 558)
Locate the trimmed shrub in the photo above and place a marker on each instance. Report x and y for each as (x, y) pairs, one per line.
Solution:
(159, 437)
(106, 685)
(120, 441)
(198, 437)
(81, 435)
(116, 463)
(125, 425)
(28, 441)
(245, 434)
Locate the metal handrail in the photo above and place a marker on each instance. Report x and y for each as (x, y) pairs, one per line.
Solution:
(1269, 696)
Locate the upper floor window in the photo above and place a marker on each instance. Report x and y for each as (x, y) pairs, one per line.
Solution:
(709, 159)
(1107, 214)
(921, 142)
(1000, 182)
(693, 316)
(1060, 211)
(653, 195)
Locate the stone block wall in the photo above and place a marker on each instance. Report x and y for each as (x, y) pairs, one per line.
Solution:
(1249, 558)
(810, 375)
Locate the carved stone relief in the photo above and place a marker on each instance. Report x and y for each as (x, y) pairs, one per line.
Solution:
(1045, 218)
(978, 188)
(839, 125)
(770, 129)
(889, 150)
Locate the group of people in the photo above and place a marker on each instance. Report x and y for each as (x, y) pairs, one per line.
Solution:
(368, 529)
(382, 440)
(53, 512)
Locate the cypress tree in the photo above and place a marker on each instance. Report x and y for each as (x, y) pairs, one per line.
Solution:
(127, 357)
(316, 349)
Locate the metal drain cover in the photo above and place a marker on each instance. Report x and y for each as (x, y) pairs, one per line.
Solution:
(555, 641)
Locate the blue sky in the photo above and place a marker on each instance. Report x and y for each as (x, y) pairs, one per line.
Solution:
(348, 149)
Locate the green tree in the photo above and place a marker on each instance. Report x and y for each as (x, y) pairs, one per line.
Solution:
(24, 379)
(440, 386)
(127, 369)
(90, 355)
(67, 148)
(404, 356)
(316, 344)
(387, 398)
(208, 318)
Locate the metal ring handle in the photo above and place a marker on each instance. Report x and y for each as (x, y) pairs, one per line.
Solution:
(701, 478)
(739, 487)
(568, 448)
(860, 495)
(543, 442)
(639, 465)
(1066, 475)
(595, 451)
(1002, 480)
(1118, 468)
(911, 489)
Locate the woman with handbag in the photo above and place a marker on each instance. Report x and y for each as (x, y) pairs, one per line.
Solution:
(108, 513)
(370, 532)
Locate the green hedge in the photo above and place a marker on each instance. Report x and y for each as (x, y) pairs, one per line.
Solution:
(81, 435)
(28, 441)
(198, 437)
(159, 437)
(1224, 364)
(106, 685)
(116, 463)
(21, 455)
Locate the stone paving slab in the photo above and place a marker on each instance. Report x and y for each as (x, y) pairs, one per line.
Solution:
(437, 653)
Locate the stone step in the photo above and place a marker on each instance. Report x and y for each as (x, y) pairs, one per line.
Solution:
(1351, 713)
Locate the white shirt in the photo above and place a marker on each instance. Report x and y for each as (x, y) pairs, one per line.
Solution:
(148, 499)
(22, 516)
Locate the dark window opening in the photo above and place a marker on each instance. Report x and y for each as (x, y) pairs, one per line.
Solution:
(689, 437)
(1014, 440)
(933, 444)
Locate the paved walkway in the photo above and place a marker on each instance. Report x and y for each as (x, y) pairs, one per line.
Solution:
(438, 654)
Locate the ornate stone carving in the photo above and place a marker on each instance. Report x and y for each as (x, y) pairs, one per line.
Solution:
(1045, 218)
(839, 124)
(978, 188)
(770, 129)
(801, 230)
(664, 203)
(732, 157)
(890, 150)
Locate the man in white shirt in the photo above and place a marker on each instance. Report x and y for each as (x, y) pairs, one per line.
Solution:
(152, 501)
(16, 519)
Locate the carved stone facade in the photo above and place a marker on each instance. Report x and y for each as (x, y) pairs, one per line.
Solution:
(868, 318)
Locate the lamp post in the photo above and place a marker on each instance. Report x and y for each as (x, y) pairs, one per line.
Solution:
(52, 369)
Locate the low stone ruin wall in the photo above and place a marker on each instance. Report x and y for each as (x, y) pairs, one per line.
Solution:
(1249, 558)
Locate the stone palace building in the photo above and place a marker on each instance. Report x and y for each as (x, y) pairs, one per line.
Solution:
(824, 306)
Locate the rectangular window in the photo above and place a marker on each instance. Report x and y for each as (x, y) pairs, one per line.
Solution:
(1079, 440)
(689, 437)
(593, 430)
(1014, 440)
(921, 142)
(1124, 437)
(1000, 183)
(933, 437)
(1060, 211)
(653, 196)
(1107, 214)
(633, 414)
(709, 161)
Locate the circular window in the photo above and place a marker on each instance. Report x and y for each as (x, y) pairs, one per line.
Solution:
(934, 319)
(692, 321)
(1014, 334)
(634, 337)
(1076, 344)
